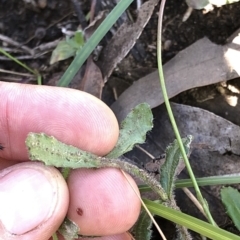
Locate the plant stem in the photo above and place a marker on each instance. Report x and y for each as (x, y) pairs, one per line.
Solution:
(135, 171)
(173, 122)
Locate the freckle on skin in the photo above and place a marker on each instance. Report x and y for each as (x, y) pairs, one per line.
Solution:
(79, 211)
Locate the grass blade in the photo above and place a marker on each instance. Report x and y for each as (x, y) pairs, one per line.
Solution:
(192, 223)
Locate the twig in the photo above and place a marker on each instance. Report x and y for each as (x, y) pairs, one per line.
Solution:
(92, 10)
(145, 151)
(18, 79)
(80, 14)
(47, 46)
(16, 44)
(187, 14)
(16, 73)
(12, 50)
(24, 57)
(196, 203)
(194, 200)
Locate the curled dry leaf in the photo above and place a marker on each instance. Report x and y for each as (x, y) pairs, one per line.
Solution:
(92, 81)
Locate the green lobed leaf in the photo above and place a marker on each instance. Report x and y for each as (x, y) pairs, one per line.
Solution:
(133, 130)
(69, 230)
(142, 228)
(231, 199)
(67, 48)
(55, 153)
(52, 152)
(63, 51)
(168, 169)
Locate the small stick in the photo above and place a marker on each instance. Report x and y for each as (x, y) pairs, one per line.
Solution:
(16, 44)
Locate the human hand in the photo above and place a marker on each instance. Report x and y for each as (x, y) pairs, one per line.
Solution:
(34, 199)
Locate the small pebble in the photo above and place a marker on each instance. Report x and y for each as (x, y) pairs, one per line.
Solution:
(167, 44)
(40, 33)
(42, 3)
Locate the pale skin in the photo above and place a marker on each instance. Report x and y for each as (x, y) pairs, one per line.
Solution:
(34, 199)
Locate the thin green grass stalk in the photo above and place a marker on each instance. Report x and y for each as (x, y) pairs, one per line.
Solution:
(39, 79)
(93, 41)
(209, 181)
(205, 181)
(174, 125)
(189, 222)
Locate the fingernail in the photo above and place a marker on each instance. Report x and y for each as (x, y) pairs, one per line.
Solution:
(26, 199)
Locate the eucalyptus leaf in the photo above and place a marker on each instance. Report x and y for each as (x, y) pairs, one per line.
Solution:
(230, 198)
(133, 130)
(168, 169)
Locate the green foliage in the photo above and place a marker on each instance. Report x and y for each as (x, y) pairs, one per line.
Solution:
(172, 119)
(55, 153)
(133, 130)
(142, 228)
(52, 152)
(194, 224)
(231, 199)
(93, 41)
(168, 169)
(68, 48)
(48, 149)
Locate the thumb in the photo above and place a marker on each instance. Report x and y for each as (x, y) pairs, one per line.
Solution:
(33, 201)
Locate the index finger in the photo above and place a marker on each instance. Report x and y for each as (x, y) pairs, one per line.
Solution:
(72, 116)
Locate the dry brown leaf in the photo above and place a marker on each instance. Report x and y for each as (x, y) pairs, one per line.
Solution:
(124, 39)
(90, 29)
(202, 63)
(92, 81)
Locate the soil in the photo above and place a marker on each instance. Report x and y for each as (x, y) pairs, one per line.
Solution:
(32, 23)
